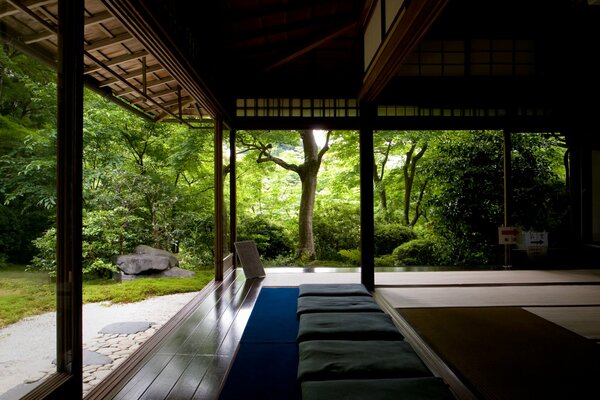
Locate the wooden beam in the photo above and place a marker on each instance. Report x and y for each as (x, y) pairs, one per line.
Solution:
(100, 44)
(219, 197)
(232, 195)
(131, 75)
(70, 188)
(117, 60)
(6, 9)
(507, 146)
(137, 19)
(367, 218)
(312, 46)
(149, 84)
(402, 37)
(174, 105)
(155, 94)
(98, 18)
(132, 87)
(38, 37)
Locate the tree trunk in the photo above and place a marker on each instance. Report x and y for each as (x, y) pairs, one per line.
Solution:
(308, 172)
(306, 245)
(409, 170)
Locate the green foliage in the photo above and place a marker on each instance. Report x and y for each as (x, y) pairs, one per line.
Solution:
(28, 90)
(351, 256)
(195, 238)
(270, 238)
(416, 252)
(18, 230)
(45, 259)
(389, 236)
(385, 261)
(336, 227)
(23, 294)
(141, 289)
(466, 206)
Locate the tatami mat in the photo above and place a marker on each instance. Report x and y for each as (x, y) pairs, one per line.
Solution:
(295, 276)
(582, 320)
(492, 296)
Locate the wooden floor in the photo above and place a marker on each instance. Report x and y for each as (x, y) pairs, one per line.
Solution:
(189, 357)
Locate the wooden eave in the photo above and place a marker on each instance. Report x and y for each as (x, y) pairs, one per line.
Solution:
(117, 63)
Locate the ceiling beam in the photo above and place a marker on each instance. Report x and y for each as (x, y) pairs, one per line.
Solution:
(402, 37)
(149, 84)
(100, 44)
(311, 46)
(137, 18)
(131, 75)
(117, 60)
(315, 24)
(283, 8)
(6, 9)
(133, 88)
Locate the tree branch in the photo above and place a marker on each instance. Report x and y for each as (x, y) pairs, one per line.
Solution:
(325, 147)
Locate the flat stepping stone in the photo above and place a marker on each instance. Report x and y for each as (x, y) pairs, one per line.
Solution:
(126, 328)
(94, 358)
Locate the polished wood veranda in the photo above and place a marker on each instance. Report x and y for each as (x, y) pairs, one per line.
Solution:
(190, 356)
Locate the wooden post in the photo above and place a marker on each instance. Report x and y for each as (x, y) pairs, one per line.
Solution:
(218, 157)
(507, 148)
(367, 220)
(69, 183)
(232, 195)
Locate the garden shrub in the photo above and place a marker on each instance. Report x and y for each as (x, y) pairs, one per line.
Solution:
(335, 228)
(389, 236)
(270, 238)
(351, 255)
(416, 252)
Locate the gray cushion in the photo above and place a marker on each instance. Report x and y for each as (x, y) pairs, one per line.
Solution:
(429, 388)
(347, 326)
(333, 289)
(321, 360)
(311, 304)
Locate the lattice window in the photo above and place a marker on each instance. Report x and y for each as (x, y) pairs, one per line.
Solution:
(295, 107)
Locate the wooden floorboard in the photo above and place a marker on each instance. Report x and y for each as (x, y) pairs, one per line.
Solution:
(190, 379)
(192, 361)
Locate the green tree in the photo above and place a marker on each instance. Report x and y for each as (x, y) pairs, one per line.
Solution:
(466, 207)
(307, 170)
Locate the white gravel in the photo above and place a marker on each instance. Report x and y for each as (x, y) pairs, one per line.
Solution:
(28, 347)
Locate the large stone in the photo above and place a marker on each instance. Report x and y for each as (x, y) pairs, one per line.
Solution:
(147, 261)
(174, 272)
(134, 264)
(151, 251)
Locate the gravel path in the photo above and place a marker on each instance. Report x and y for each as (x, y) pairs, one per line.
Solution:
(28, 347)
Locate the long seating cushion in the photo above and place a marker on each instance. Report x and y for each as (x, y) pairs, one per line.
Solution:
(311, 304)
(347, 326)
(428, 388)
(349, 359)
(333, 289)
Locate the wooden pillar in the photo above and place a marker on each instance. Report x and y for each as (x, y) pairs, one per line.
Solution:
(219, 198)
(367, 219)
(507, 148)
(69, 183)
(232, 195)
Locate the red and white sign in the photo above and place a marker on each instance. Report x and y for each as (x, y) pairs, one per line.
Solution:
(508, 235)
